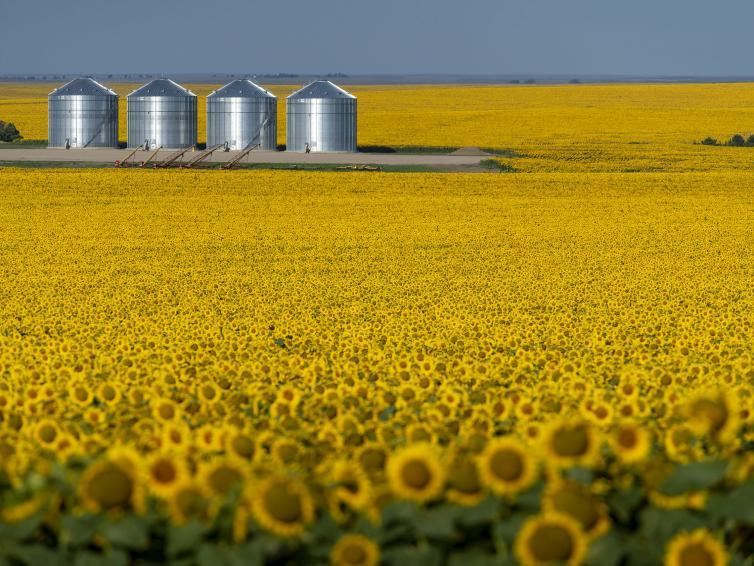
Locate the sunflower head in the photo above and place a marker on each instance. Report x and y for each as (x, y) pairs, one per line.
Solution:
(222, 475)
(713, 413)
(415, 473)
(506, 467)
(464, 486)
(579, 502)
(698, 548)
(188, 500)
(355, 550)
(571, 443)
(631, 442)
(164, 473)
(112, 484)
(282, 506)
(550, 538)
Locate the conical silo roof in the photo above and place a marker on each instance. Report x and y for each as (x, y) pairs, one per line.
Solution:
(320, 89)
(85, 86)
(241, 88)
(162, 87)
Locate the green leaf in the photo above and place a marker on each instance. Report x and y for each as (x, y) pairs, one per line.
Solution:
(737, 505)
(486, 512)
(438, 522)
(531, 499)
(325, 529)
(21, 530)
(78, 530)
(694, 477)
(624, 503)
(657, 526)
(129, 532)
(583, 476)
(212, 555)
(183, 538)
(506, 530)
(477, 557)
(608, 550)
(399, 512)
(413, 556)
(109, 558)
(37, 554)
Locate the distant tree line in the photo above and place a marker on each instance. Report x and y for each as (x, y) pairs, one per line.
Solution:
(9, 132)
(736, 140)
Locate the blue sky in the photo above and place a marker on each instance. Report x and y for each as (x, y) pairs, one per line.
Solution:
(639, 37)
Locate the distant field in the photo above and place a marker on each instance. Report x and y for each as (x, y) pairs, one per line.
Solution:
(619, 128)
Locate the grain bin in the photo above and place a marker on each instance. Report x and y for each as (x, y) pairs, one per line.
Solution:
(82, 114)
(322, 116)
(162, 114)
(241, 113)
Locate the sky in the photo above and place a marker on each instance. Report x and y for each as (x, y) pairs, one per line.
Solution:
(499, 37)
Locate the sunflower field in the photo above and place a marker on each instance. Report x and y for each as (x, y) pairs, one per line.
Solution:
(372, 368)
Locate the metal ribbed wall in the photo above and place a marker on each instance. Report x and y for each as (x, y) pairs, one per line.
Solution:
(164, 114)
(82, 114)
(241, 113)
(323, 116)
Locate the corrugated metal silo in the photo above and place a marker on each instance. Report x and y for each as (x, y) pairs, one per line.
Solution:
(81, 114)
(241, 113)
(163, 114)
(322, 116)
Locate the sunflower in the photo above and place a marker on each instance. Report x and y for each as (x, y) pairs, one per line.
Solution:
(571, 443)
(579, 502)
(241, 445)
(631, 443)
(80, 394)
(208, 393)
(175, 435)
(108, 393)
(165, 471)
(550, 538)
(188, 500)
(714, 413)
(112, 483)
(46, 432)
(464, 484)
(417, 433)
(415, 473)
(285, 451)
(222, 475)
(372, 458)
(282, 506)
(165, 410)
(698, 548)
(350, 484)
(137, 395)
(681, 445)
(506, 467)
(290, 395)
(355, 550)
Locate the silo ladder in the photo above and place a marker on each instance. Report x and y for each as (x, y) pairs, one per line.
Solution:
(253, 144)
(98, 130)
